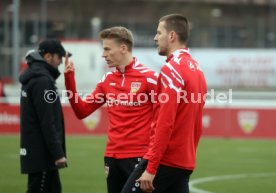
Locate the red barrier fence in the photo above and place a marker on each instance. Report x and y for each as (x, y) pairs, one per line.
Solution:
(239, 122)
(217, 121)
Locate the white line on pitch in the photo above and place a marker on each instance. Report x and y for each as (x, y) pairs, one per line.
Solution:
(224, 177)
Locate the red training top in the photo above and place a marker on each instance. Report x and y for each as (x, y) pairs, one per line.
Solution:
(127, 96)
(178, 121)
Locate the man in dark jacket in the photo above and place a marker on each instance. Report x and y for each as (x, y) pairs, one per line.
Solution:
(42, 142)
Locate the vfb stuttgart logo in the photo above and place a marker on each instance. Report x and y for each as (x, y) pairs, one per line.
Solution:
(248, 120)
(92, 121)
(135, 86)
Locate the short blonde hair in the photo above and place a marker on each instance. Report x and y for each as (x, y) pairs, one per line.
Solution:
(121, 34)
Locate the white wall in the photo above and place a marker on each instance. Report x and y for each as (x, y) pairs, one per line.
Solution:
(89, 65)
(226, 67)
(222, 67)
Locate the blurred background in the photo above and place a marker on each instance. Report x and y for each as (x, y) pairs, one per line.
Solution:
(234, 41)
(214, 23)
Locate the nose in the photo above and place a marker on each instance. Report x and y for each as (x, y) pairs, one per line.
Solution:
(104, 55)
(155, 38)
(60, 59)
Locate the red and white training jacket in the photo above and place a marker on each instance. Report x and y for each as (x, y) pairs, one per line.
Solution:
(127, 96)
(178, 121)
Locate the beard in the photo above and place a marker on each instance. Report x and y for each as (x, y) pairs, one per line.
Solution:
(53, 63)
(162, 51)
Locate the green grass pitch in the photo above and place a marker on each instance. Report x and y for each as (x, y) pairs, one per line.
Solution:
(223, 166)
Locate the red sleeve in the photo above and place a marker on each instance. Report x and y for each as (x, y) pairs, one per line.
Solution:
(151, 90)
(165, 120)
(83, 108)
(151, 81)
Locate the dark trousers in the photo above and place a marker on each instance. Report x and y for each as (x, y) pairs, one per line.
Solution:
(118, 171)
(167, 180)
(44, 182)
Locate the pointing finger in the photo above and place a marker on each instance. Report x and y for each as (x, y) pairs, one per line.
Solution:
(66, 59)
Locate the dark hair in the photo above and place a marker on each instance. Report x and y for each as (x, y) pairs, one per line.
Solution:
(121, 34)
(177, 23)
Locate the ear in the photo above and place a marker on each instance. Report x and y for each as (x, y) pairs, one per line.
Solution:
(47, 57)
(124, 48)
(172, 36)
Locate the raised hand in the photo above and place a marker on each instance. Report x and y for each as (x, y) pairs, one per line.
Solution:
(69, 65)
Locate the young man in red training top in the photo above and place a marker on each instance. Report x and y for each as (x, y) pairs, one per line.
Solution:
(177, 122)
(125, 90)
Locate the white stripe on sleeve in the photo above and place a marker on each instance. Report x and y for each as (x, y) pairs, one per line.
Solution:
(150, 80)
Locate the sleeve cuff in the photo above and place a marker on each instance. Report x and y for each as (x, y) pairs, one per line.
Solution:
(151, 170)
(58, 153)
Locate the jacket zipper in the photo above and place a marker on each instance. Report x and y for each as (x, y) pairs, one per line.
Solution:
(123, 81)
